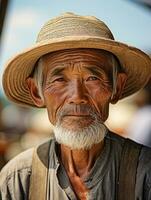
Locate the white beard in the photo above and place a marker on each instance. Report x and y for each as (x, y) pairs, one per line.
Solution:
(81, 139)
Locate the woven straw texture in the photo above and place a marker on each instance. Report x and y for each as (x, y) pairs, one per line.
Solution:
(70, 31)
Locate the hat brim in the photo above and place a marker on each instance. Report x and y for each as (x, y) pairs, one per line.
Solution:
(136, 64)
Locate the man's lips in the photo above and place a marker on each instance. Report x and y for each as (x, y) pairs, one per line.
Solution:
(78, 115)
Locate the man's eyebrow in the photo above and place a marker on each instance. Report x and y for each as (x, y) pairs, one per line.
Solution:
(96, 70)
(57, 71)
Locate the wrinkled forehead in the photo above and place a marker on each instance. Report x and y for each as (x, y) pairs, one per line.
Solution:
(100, 58)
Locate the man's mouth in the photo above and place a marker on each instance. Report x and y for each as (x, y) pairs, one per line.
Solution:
(78, 115)
(75, 121)
(80, 118)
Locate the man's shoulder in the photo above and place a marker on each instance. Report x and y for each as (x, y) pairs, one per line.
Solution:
(115, 138)
(21, 162)
(145, 152)
(118, 140)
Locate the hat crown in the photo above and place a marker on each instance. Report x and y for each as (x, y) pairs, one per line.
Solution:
(69, 25)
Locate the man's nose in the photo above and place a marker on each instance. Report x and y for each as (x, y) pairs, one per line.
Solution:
(77, 94)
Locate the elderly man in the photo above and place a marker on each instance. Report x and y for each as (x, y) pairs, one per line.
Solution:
(75, 70)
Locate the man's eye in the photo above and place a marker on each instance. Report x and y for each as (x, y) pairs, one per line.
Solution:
(58, 80)
(92, 78)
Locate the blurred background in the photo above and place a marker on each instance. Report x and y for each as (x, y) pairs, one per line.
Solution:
(20, 22)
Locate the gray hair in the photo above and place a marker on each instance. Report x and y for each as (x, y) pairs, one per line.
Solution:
(38, 75)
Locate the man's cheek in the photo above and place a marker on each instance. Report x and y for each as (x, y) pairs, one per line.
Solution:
(104, 110)
(51, 110)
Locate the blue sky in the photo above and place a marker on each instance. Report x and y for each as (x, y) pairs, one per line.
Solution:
(129, 22)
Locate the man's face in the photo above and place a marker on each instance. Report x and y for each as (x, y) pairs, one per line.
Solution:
(77, 87)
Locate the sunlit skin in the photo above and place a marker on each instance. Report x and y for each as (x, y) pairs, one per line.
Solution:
(70, 80)
(73, 78)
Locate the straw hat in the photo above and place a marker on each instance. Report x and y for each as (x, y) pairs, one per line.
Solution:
(70, 31)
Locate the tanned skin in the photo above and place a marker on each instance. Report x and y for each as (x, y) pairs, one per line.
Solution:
(77, 77)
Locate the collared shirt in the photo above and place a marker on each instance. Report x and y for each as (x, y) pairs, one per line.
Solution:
(102, 181)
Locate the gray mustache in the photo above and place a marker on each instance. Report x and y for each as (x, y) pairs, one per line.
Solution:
(77, 109)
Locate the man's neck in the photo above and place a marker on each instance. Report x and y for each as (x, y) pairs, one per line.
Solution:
(80, 162)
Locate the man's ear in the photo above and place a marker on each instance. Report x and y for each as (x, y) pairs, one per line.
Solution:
(121, 80)
(33, 89)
